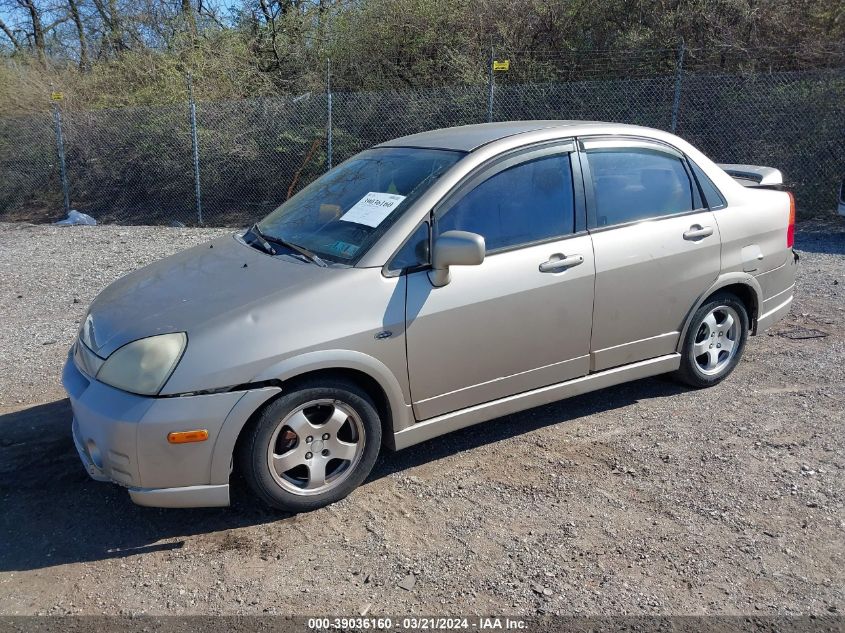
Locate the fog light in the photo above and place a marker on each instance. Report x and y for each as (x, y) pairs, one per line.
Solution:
(185, 437)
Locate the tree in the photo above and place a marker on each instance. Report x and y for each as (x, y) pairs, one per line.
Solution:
(73, 9)
(190, 20)
(137, 51)
(31, 26)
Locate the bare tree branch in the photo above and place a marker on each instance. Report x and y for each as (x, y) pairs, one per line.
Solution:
(11, 35)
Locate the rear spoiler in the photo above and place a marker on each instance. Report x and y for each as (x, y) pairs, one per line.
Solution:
(755, 175)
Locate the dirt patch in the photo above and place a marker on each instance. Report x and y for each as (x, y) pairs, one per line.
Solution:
(643, 498)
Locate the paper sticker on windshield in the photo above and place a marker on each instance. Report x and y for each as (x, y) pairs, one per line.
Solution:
(372, 209)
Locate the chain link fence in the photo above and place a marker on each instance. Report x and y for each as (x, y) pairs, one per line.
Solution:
(794, 121)
(30, 175)
(254, 154)
(229, 163)
(130, 165)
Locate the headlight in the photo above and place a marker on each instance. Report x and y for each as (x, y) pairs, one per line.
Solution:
(143, 366)
(86, 332)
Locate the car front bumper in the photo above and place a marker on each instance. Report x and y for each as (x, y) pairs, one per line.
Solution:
(122, 438)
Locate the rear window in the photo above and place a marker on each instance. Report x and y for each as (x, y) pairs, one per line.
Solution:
(713, 198)
(633, 184)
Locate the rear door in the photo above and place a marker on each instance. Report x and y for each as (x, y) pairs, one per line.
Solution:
(521, 319)
(657, 249)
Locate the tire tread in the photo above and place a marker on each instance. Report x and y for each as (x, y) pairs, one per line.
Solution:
(250, 457)
(687, 372)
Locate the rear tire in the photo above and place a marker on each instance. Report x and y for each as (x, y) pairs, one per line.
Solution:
(312, 446)
(714, 342)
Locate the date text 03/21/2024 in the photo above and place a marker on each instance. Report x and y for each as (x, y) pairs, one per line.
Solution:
(417, 623)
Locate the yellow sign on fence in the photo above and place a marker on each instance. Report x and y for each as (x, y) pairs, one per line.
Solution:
(57, 96)
(504, 64)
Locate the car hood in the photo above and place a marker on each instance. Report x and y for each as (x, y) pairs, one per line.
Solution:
(188, 290)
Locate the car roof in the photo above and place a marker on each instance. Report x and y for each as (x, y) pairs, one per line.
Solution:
(467, 138)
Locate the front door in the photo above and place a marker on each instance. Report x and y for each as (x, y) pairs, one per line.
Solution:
(520, 320)
(657, 248)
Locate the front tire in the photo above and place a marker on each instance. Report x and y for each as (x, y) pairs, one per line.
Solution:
(312, 446)
(714, 342)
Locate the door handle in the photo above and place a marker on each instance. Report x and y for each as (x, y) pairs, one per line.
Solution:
(697, 232)
(559, 261)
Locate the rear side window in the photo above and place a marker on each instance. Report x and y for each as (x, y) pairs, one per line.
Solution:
(633, 184)
(713, 198)
(529, 202)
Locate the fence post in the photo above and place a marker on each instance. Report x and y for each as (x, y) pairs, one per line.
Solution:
(490, 86)
(195, 147)
(329, 114)
(60, 145)
(679, 78)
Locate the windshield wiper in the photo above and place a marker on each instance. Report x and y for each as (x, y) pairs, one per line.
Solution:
(313, 257)
(260, 239)
(257, 239)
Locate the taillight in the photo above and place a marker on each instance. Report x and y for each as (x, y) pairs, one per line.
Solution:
(790, 229)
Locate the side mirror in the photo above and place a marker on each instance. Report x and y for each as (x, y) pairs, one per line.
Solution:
(454, 248)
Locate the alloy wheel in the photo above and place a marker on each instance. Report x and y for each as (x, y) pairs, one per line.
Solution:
(316, 447)
(717, 340)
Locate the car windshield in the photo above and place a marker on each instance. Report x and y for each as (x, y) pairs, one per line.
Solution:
(341, 214)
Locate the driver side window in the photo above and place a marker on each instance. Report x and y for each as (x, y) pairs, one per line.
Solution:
(529, 202)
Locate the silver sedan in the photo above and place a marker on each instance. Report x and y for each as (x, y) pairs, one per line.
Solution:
(424, 285)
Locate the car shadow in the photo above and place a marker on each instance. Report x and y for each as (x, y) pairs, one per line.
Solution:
(514, 425)
(53, 514)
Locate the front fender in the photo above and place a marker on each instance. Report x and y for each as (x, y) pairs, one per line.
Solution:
(290, 368)
(345, 359)
(224, 445)
(723, 281)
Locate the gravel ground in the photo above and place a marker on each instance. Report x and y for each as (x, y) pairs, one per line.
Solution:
(644, 498)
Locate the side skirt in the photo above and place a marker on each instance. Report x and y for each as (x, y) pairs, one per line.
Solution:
(427, 429)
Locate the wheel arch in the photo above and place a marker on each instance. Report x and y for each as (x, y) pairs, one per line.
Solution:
(743, 286)
(365, 371)
(365, 381)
